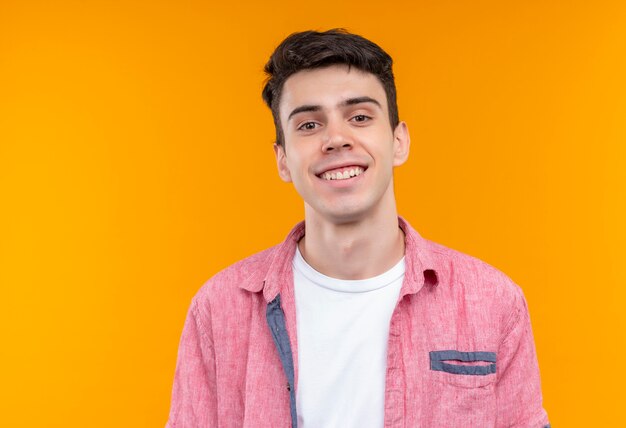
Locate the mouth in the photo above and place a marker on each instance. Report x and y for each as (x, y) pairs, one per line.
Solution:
(343, 173)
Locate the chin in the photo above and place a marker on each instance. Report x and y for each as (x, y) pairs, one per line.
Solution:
(345, 216)
(338, 211)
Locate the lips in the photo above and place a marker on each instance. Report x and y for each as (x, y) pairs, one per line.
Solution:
(342, 173)
(341, 170)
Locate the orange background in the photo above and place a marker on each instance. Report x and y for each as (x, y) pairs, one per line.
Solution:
(136, 161)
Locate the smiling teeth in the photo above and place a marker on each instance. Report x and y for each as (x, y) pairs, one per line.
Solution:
(348, 173)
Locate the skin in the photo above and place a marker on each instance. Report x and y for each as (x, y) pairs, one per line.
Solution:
(336, 116)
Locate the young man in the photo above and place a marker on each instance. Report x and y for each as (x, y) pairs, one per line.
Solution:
(354, 320)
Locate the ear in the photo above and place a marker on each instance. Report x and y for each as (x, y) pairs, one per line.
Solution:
(281, 163)
(401, 144)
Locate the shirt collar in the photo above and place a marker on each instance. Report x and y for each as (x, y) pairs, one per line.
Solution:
(420, 268)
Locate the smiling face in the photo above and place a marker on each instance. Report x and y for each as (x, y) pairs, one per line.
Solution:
(339, 149)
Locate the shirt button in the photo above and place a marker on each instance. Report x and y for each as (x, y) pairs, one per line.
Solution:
(288, 387)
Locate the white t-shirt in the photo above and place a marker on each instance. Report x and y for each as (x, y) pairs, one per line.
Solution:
(343, 328)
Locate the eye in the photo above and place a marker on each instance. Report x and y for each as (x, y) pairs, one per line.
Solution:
(360, 118)
(307, 126)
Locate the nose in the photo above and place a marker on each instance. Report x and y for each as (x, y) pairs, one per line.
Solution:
(336, 137)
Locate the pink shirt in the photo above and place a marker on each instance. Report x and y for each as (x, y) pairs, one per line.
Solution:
(460, 350)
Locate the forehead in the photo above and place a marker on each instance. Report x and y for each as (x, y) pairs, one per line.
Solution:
(327, 87)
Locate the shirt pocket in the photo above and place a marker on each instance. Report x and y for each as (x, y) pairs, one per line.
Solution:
(469, 369)
(461, 388)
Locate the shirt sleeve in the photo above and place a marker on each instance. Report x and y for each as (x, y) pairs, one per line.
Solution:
(194, 400)
(518, 387)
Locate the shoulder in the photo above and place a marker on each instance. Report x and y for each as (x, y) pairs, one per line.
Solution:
(464, 275)
(234, 281)
(476, 291)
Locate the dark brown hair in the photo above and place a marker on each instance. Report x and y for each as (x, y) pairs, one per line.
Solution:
(312, 49)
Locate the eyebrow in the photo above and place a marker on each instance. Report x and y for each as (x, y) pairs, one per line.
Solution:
(302, 109)
(359, 100)
(345, 103)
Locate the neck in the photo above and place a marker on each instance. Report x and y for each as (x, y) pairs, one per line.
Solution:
(354, 250)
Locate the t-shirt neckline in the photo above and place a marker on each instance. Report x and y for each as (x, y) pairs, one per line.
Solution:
(348, 285)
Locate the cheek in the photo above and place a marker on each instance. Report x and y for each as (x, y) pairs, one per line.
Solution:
(385, 156)
(299, 161)
(295, 168)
